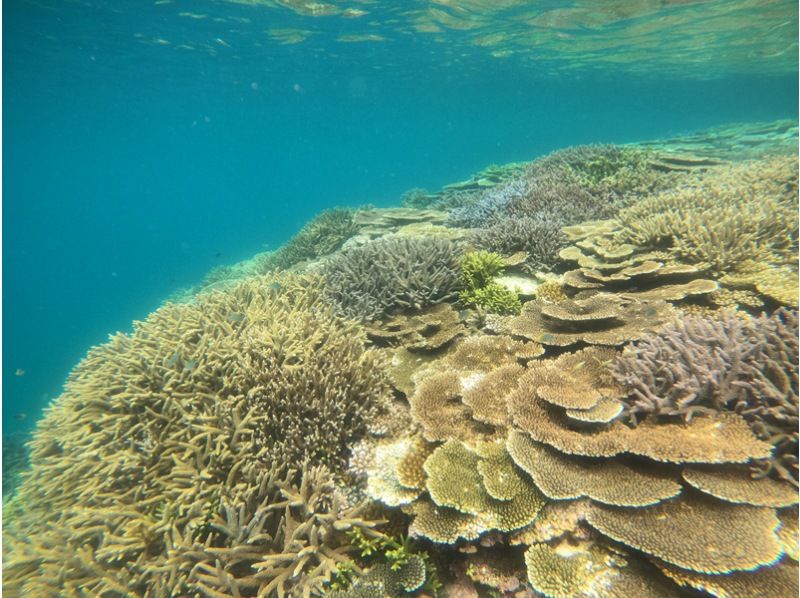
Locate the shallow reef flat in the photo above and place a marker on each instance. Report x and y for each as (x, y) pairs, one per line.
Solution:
(576, 376)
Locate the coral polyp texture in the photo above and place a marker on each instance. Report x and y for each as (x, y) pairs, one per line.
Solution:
(161, 467)
(624, 424)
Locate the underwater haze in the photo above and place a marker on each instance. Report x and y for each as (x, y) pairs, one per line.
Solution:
(146, 142)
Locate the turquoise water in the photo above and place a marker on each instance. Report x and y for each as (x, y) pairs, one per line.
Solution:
(147, 142)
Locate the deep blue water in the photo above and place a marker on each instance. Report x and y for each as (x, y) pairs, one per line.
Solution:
(132, 166)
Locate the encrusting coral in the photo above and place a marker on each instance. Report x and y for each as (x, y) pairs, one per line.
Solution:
(391, 275)
(175, 458)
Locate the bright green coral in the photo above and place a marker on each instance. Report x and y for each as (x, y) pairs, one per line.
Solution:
(494, 298)
(479, 268)
(478, 271)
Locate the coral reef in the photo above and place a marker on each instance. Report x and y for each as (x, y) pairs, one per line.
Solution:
(16, 459)
(535, 235)
(174, 459)
(392, 275)
(429, 330)
(479, 269)
(738, 222)
(724, 364)
(603, 319)
(323, 235)
(624, 423)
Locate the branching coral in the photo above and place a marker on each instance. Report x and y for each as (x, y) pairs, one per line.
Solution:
(391, 275)
(701, 365)
(200, 413)
(536, 235)
(723, 218)
(322, 235)
(478, 271)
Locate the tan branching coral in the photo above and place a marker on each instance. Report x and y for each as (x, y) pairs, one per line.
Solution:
(700, 535)
(739, 486)
(561, 477)
(205, 404)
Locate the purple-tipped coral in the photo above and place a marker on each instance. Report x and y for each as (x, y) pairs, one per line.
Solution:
(700, 365)
(492, 204)
(534, 235)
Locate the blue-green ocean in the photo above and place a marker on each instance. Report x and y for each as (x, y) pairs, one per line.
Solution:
(146, 143)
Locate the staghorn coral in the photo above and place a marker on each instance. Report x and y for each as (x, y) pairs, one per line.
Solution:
(492, 203)
(702, 365)
(723, 218)
(392, 275)
(322, 235)
(695, 533)
(536, 235)
(172, 437)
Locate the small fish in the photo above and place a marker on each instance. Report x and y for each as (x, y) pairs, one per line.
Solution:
(218, 255)
(21, 416)
(19, 372)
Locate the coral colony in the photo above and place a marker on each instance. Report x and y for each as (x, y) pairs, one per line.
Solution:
(574, 377)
